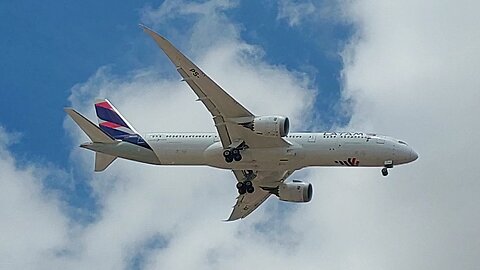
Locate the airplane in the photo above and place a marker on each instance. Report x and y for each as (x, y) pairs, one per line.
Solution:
(260, 150)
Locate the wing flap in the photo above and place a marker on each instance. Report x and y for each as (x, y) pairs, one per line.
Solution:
(222, 131)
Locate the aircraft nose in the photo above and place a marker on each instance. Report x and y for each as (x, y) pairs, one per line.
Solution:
(413, 155)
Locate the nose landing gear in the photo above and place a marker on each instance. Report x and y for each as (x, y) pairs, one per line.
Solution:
(388, 165)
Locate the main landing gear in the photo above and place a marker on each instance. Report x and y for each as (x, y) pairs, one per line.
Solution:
(233, 152)
(246, 186)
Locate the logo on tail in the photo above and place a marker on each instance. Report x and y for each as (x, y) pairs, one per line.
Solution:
(114, 124)
(111, 122)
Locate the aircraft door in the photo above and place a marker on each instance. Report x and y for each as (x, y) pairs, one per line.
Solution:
(311, 138)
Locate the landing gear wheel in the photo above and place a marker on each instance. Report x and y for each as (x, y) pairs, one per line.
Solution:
(237, 157)
(384, 171)
(227, 153)
(235, 152)
(228, 159)
(244, 187)
(240, 185)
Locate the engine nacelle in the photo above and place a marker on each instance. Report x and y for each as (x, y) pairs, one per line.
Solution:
(296, 191)
(271, 126)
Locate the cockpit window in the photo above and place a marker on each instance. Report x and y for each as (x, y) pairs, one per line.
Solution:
(402, 142)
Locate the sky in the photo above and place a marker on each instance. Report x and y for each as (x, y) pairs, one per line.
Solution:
(407, 69)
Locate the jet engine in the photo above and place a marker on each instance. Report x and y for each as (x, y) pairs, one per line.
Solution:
(296, 191)
(271, 126)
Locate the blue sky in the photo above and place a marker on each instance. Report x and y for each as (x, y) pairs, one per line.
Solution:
(49, 50)
(384, 67)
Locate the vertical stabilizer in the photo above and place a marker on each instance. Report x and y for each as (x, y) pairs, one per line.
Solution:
(115, 125)
(111, 121)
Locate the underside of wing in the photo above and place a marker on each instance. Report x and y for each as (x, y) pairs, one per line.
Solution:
(228, 114)
(217, 101)
(247, 203)
(263, 181)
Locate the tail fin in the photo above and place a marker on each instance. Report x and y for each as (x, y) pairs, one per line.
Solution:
(115, 125)
(111, 121)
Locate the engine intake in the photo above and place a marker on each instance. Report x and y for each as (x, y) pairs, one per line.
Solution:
(296, 191)
(271, 126)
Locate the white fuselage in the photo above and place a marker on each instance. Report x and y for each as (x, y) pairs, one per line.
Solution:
(307, 149)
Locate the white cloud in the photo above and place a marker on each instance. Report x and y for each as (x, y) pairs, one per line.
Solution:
(408, 73)
(294, 12)
(183, 206)
(203, 19)
(33, 228)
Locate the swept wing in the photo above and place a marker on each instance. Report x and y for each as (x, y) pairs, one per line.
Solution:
(264, 181)
(228, 114)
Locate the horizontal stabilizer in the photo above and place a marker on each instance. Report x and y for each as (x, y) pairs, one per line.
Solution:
(102, 161)
(93, 131)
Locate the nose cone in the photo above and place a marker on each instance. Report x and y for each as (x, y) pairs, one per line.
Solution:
(413, 155)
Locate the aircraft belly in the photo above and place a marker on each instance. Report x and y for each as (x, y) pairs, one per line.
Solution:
(179, 153)
(278, 158)
(332, 152)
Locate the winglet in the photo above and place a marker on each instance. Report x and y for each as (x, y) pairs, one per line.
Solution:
(150, 31)
(144, 27)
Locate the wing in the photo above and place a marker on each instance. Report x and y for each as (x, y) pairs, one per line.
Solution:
(227, 113)
(263, 181)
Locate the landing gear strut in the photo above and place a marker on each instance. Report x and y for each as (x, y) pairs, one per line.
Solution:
(388, 165)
